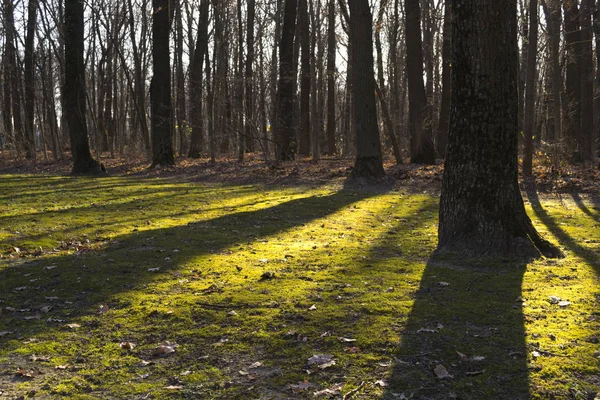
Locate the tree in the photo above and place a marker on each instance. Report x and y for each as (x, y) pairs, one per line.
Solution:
(29, 79)
(442, 138)
(74, 91)
(481, 208)
(160, 86)
(553, 15)
(422, 150)
(305, 78)
(368, 164)
(529, 116)
(331, 46)
(286, 134)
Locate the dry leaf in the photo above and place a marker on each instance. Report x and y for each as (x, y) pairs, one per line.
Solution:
(35, 358)
(232, 313)
(46, 309)
(73, 326)
(331, 391)
(461, 355)
(564, 303)
(554, 299)
(473, 373)
(256, 365)
(144, 363)
(174, 387)
(382, 383)
(441, 372)
(5, 333)
(127, 345)
(477, 358)
(20, 288)
(243, 373)
(444, 284)
(312, 308)
(65, 366)
(347, 340)
(103, 308)
(301, 387)
(164, 349)
(154, 269)
(49, 267)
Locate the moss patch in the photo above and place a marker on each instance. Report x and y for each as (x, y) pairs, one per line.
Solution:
(125, 287)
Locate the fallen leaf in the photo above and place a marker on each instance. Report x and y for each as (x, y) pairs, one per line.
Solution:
(65, 366)
(24, 374)
(312, 308)
(441, 372)
(536, 354)
(5, 333)
(103, 308)
(30, 317)
(243, 373)
(51, 298)
(20, 288)
(444, 284)
(127, 345)
(256, 365)
(554, 299)
(477, 358)
(301, 386)
(263, 260)
(73, 326)
(331, 391)
(347, 340)
(49, 267)
(46, 309)
(154, 269)
(174, 387)
(35, 358)
(564, 303)
(473, 373)
(232, 313)
(164, 349)
(382, 383)
(461, 355)
(385, 364)
(186, 373)
(144, 363)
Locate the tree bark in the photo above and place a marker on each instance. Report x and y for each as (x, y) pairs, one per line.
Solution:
(286, 134)
(529, 117)
(422, 150)
(29, 80)
(586, 138)
(368, 164)
(331, 49)
(196, 80)
(442, 137)
(160, 86)
(553, 16)
(572, 105)
(305, 78)
(75, 97)
(481, 208)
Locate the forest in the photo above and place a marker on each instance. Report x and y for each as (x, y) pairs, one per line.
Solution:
(273, 199)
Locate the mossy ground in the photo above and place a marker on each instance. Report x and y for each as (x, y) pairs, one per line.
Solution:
(151, 260)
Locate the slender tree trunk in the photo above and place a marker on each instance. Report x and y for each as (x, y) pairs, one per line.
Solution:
(286, 135)
(75, 97)
(553, 16)
(180, 78)
(196, 78)
(29, 80)
(442, 138)
(481, 208)
(422, 149)
(160, 87)
(586, 138)
(331, 68)
(572, 105)
(250, 121)
(305, 78)
(529, 117)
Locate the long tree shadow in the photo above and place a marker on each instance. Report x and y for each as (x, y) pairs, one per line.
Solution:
(584, 208)
(590, 256)
(84, 281)
(464, 337)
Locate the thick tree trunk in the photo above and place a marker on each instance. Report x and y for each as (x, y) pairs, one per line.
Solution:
(529, 117)
(180, 78)
(250, 120)
(368, 164)
(160, 87)
(75, 97)
(286, 134)
(481, 208)
(422, 150)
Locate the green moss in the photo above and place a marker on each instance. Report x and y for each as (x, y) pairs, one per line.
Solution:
(173, 260)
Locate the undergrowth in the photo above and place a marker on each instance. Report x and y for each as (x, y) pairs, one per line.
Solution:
(132, 287)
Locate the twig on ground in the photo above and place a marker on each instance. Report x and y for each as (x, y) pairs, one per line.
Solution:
(353, 391)
(547, 352)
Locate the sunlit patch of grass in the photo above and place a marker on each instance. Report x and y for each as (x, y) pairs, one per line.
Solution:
(235, 275)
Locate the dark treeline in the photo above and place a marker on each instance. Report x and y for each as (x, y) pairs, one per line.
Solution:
(277, 78)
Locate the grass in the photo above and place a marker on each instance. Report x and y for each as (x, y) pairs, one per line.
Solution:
(245, 283)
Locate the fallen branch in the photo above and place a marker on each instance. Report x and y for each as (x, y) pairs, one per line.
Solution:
(353, 391)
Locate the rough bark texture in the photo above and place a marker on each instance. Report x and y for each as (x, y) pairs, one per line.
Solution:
(368, 164)
(481, 208)
(29, 79)
(286, 134)
(529, 117)
(74, 91)
(251, 126)
(422, 150)
(160, 87)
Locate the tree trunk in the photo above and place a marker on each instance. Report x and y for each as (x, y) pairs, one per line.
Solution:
(572, 105)
(442, 138)
(422, 150)
(481, 208)
(196, 79)
(75, 97)
(250, 121)
(553, 16)
(160, 86)
(331, 49)
(29, 80)
(586, 138)
(286, 135)
(305, 78)
(529, 117)
(368, 164)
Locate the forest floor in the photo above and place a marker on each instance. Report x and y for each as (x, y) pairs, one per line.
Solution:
(258, 282)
